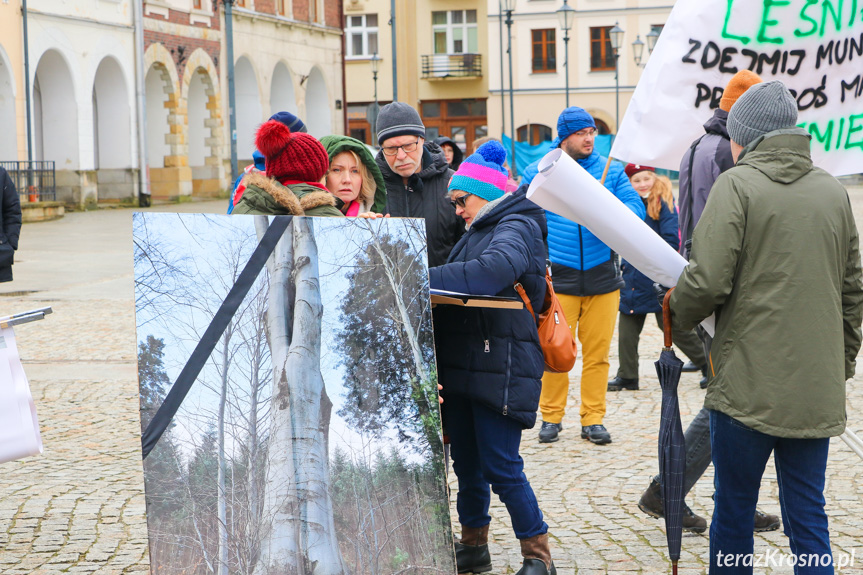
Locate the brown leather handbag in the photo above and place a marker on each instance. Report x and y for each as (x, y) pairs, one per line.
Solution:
(559, 349)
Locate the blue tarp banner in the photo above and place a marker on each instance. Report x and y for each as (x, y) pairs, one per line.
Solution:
(525, 154)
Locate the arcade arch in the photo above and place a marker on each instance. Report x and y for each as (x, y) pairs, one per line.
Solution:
(55, 112)
(319, 117)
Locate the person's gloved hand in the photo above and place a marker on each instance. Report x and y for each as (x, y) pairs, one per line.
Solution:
(660, 291)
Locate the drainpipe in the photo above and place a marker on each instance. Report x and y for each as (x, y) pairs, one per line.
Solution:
(344, 73)
(144, 198)
(27, 98)
(395, 69)
(232, 98)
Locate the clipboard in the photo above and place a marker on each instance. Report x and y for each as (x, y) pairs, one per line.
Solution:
(443, 297)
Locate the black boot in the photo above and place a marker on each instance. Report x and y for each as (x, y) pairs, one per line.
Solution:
(619, 383)
(471, 553)
(705, 371)
(537, 556)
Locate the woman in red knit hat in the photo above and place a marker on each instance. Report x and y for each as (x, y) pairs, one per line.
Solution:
(295, 164)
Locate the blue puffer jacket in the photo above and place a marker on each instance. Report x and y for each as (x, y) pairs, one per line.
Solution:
(638, 297)
(493, 356)
(581, 264)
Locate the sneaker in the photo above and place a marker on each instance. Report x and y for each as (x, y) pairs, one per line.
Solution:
(766, 522)
(596, 434)
(619, 383)
(549, 431)
(651, 503)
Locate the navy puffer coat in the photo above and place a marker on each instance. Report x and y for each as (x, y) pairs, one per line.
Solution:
(638, 297)
(493, 356)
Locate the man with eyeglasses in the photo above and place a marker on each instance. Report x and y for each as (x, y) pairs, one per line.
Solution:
(416, 174)
(587, 280)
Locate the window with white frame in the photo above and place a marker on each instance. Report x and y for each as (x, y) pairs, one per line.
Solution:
(455, 32)
(362, 31)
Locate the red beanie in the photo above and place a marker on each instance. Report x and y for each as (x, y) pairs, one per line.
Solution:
(291, 156)
(632, 169)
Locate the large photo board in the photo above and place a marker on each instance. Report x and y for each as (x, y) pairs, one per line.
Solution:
(310, 443)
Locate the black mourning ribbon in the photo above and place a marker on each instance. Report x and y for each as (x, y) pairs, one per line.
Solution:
(217, 327)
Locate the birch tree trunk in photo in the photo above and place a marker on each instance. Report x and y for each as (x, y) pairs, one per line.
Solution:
(311, 411)
(280, 541)
(221, 494)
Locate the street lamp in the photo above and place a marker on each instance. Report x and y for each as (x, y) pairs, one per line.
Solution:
(232, 95)
(509, 7)
(616, 37)
(375, 108)
(566, 15)
(638, 50)
(652, 37)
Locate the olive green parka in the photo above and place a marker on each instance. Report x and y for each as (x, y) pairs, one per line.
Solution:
(776, 256)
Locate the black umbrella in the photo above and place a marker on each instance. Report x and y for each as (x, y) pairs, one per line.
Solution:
(672, 449)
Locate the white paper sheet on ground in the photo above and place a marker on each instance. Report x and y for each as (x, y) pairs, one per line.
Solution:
(565, 188)
(19, 427)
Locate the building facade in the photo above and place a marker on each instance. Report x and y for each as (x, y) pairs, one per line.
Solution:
(441, 65)
(116, 85)
(287, 56)
(539, 57)
(13, 145)
(82, 83)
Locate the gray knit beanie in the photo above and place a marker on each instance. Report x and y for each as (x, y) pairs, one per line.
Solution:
(399, 119)
(762, 108)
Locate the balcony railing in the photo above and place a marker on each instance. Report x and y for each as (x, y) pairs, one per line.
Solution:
(451, 66)
(34, 180)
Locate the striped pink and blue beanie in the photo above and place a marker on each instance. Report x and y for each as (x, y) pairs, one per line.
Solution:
(482, 173)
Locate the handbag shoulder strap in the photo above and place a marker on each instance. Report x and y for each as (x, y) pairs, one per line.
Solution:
(520, 290)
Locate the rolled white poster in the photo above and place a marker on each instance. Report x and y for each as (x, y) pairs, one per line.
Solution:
(567, 189)
(19, 427)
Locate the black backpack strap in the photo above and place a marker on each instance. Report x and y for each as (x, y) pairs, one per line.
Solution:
(690, 226)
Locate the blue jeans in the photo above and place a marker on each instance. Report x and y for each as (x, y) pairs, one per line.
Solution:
(484, 446)
(740, 455)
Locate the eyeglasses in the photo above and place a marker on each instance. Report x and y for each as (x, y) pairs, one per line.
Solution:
(460, 201)
(393, 150)
(586, 132)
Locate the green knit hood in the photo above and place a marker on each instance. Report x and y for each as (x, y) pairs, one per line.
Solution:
(335, 145)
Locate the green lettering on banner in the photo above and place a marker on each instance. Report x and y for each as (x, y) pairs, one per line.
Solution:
(852, 129)
(816, 134)
(827, 6)
(800, 33)
(766, 22)
(726, 34)
(853, 13)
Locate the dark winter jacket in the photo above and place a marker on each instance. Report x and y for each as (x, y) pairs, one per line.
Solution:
(457, 154)
(712, 156)
(266, 196)
(10, 225)
(581, 264)
(425, 196)
(493, 356)
(637, 297)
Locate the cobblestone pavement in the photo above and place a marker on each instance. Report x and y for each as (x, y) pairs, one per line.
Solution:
(79, 507)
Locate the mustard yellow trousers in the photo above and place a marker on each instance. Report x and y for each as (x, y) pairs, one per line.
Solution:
(592, 320)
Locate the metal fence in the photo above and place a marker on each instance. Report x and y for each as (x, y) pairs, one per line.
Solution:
(451, 66)
(34, 181)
